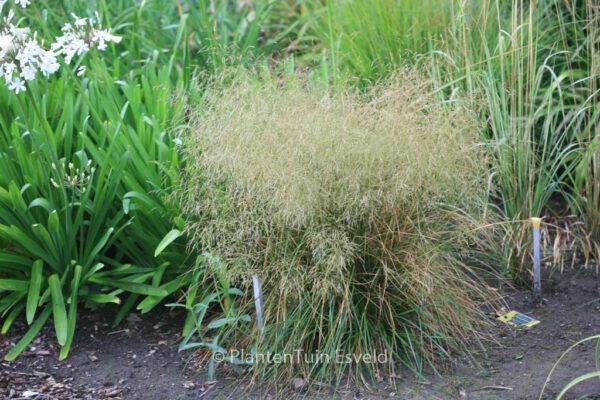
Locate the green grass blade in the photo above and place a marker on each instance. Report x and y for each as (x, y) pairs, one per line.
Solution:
(576, 381)
(597, 355)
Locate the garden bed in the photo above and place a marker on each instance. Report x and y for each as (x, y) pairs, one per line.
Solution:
(139, 359)
(305, 178)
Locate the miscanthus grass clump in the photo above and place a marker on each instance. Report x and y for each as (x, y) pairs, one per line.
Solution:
(356, 211)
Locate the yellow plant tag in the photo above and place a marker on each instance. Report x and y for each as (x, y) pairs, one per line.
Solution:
(518, 320)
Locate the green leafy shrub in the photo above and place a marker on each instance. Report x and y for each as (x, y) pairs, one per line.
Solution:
(353, 211)
(83, 199)
(90, 164)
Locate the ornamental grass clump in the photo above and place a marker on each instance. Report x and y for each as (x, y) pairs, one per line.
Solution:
(357, 211)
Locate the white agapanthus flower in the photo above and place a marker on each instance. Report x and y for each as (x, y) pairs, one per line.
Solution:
(48, 63)
(28, 73)
(70, 44)
(103, 36)
(22, 55)
(9, 68)
(16, 84)
(23, 3)
(80, 36)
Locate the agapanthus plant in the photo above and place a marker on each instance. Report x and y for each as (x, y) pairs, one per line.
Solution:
(23, 55)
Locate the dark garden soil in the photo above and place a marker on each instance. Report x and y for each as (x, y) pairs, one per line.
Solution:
(139, 360)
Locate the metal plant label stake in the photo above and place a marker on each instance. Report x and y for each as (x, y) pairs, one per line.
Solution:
(537, 281)
(258, 301)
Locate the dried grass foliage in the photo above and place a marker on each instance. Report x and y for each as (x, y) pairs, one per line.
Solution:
(269, 158)
(342, 200)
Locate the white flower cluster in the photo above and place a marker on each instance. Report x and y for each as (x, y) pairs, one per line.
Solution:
(80, 36)
(22, 56)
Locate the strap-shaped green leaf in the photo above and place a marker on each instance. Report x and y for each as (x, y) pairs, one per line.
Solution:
(14, 285)
(45, 239)
(14, 259)
(100, 245)
(16, 197)
(59, 312)
(167, 240)
(11, 318)
(151, 301)
(64, 352)
(30, 245)
(133, 287)
(29, 336)
(42, 203)
(102, 298)
(33, 295)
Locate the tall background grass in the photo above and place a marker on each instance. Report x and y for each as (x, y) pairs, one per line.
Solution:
(532, 69)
